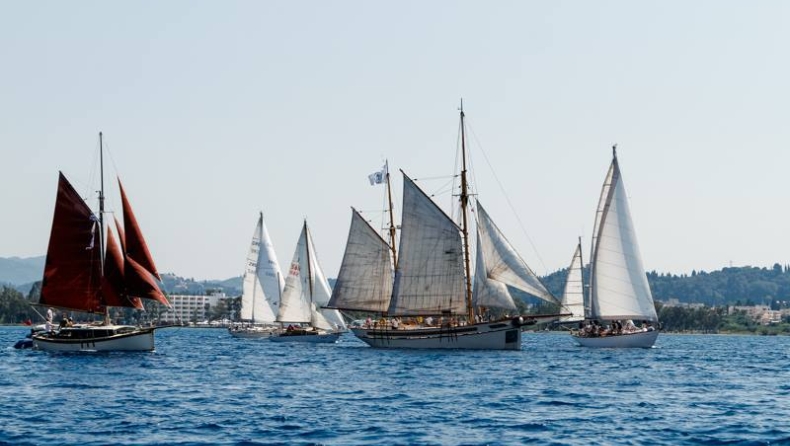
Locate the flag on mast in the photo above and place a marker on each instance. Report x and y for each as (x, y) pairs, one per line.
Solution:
(378, 177)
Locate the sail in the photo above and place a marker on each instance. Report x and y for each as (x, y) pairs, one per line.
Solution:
(487, 292)
(364, 282)
(121, 235)
(319, 320)
(269, 272)
(430, 274)
(618, 284)
(322, 291)
(135, 244)
(72, 271)
(573, 293)
(503, 264)
(255, 306)
(113, 288)
(294, 303)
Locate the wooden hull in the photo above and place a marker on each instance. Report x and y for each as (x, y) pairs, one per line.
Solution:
(639, 339)
(253, 332)
(313, 338)
(95, 339)
(503, 335)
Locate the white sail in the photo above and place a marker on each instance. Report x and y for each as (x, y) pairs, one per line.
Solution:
(255, 301)
(269, 272)
(329, 318)
(294, 303)
(573, 293)
(503, 264)
(618, 284)
(430, 274)
(487, 292)
(364, 282)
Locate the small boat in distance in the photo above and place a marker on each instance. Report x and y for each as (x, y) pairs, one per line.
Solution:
(261, 288)
(432, 303)
(619, 291)
(80, 274)
(305, 287)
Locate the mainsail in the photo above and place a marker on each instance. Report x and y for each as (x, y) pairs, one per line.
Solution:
(430, 275)
(573, 293)
(618, 284)
(72, 271)
(262, 284)
(501, 263)
(364, 282)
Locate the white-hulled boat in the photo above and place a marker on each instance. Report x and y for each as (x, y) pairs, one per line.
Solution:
(303, 287)
(432, 277)
(75, 277)
(619, 290)
(261, 288)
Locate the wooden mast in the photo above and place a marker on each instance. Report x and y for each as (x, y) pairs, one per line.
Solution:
(392, 218)
(470, 311)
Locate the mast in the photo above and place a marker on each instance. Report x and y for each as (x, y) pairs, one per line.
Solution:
(309, 261)
(392, 219)
(470, 311)
(101, 219)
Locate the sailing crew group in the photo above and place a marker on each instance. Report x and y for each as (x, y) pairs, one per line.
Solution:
(593, 328)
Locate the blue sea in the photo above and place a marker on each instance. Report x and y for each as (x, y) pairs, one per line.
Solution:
(202, 387)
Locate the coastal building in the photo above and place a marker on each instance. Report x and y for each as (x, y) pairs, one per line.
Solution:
(191, 308)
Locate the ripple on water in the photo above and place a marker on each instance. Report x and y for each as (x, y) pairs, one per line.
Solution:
(202, 387)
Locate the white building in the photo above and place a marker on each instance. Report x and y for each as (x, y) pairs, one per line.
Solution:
(188, 308)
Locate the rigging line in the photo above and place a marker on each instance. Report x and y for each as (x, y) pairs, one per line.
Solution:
(510, 203)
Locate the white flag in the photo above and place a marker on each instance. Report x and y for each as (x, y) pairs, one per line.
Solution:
(378, 177)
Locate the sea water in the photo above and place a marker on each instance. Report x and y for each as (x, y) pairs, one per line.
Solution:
(203, 387)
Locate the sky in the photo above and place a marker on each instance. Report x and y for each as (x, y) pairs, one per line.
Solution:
(213, 111)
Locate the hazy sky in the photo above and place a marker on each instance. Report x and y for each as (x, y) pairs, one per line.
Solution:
(213, 111)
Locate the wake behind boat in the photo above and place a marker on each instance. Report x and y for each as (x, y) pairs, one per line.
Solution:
(433, 278)
(619, 291)
(79, 274)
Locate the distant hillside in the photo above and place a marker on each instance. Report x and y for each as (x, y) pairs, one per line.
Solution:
(747, 285)
(18, 271)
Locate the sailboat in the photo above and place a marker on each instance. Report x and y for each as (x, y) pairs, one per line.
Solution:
(619, 290)
(306, 288)
(261, 287)
(573, 293)
(80, 274)
(432, 279)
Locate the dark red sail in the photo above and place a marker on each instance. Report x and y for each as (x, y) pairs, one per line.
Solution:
(121, 234)
(136, 248)
(112, 287)
(72, 272)
(140, 282)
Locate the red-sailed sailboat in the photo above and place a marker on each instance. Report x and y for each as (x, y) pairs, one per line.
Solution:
(80, 274)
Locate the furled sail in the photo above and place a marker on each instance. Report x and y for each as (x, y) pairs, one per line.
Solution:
(255, 304)
(72, 271)
(135, 244)
(573, 293)
(430, 275)
(364, 282)
(294, 302)
(618, 284)
(503, 264)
